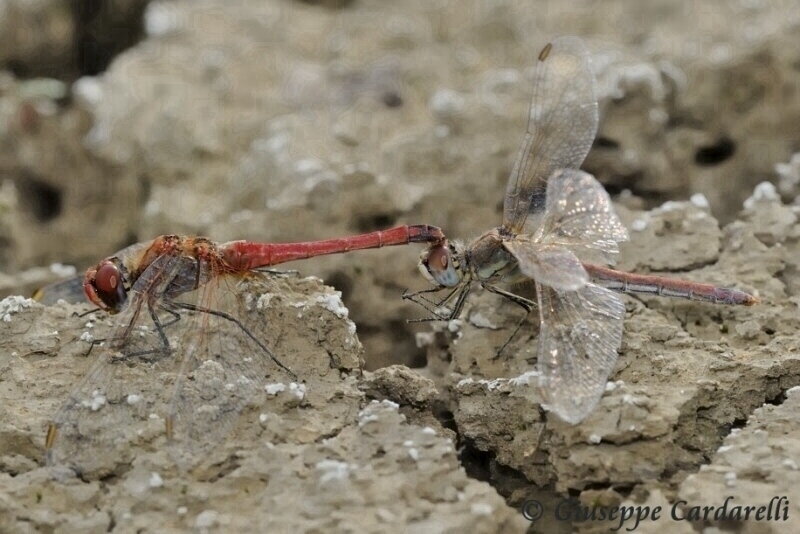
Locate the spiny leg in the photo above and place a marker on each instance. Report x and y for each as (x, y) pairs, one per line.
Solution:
(175, 317)
(416, 296)
(84, 314)
(52, 429)
(526, 304)
(237, 322)
(93, 342)
(165, 348)
(420, 300)
(462, 291)
(159, 327)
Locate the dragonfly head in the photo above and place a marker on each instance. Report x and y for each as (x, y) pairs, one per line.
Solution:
(104, 285)
(440, 264)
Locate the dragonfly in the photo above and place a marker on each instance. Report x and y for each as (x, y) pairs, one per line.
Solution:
(560, 230)
(184, 309)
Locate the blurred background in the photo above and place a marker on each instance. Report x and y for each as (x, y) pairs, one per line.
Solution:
(280, 120)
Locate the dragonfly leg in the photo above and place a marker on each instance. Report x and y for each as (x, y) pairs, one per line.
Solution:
(159, 326)
(175, 318)
(526, 304)
(237, 322)
(93, 342)
(431, 305)
(84, 314)
(164, 349)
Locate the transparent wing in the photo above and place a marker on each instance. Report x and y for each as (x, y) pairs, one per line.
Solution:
(110, 406)
(579, 219)
(562, 125)
(69, 290)
(580, 334)
(222, 370)
(579, 216)
(218, 358)
(107, 411)
(552, 265)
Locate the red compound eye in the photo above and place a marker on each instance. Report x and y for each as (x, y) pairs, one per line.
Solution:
(106, 285)
(107, 279)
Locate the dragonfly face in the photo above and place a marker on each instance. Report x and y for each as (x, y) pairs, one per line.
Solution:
(441, 264)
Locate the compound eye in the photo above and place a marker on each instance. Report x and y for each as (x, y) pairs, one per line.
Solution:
(438, 258)
(439, 264)
(108, 286)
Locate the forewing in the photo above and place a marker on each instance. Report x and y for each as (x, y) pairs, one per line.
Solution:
(69, 290)
(551, 265)
(226, 367)
(580, 334)
(221, 340)
(562, 124)
(128, 380)
(579, 216)
(105, 413)
(255, 325)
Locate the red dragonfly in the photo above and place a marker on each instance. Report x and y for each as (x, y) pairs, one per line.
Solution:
(183, 308)
(553, 214)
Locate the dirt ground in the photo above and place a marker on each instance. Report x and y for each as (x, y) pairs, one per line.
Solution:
(283, 121)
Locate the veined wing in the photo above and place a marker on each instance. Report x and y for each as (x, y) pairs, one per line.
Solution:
(110, 406)
(551, 265)
(579, 216)
(562, 124)
(218, 359)
(579, 219)
(69, 290)
(113, 406)
(580, 334)
(226, 366)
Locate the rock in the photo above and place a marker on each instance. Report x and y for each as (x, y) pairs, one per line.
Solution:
(356, 462)
(284, 121)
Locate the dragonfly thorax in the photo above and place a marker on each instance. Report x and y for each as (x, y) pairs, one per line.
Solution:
(488, 259)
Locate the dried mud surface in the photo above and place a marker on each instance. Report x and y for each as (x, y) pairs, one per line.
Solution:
(284, 121)
(320, 456)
